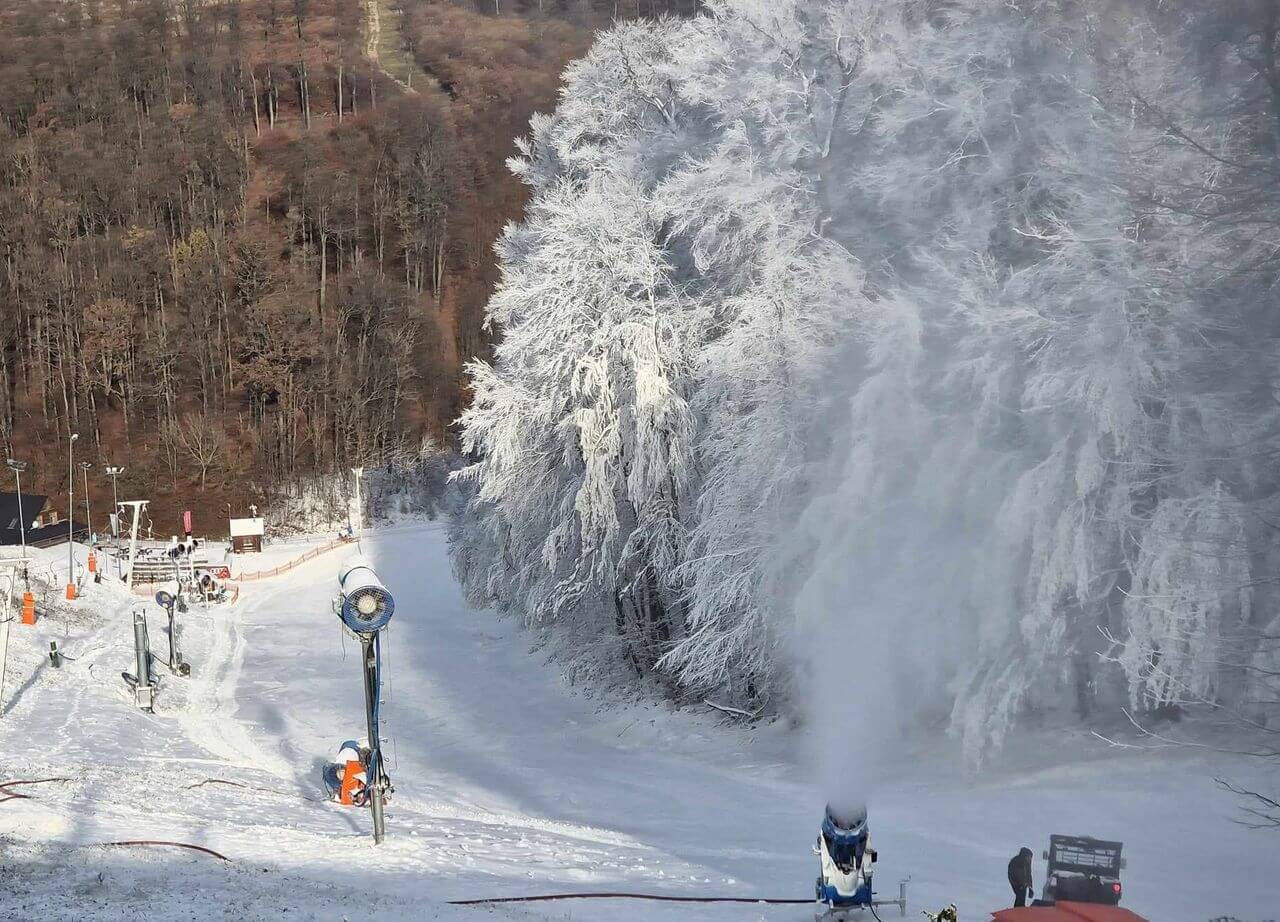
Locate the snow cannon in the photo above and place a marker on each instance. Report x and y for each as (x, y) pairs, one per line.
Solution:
(169, 601)
(181, 548)
(365, 605)
(845, 866)
(209, 586)
(845, 858)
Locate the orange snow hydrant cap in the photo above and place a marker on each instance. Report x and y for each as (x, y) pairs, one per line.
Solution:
(352, 782)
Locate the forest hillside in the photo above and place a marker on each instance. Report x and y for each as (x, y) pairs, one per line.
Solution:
(237, 253)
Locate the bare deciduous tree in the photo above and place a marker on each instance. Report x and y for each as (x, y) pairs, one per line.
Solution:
(204, 441)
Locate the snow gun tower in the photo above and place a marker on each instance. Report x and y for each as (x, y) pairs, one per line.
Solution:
(182, 554)
(144, 682)
(171, 603)
(365, 607)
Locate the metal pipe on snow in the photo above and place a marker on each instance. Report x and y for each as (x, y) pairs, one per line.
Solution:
(141, 651)
(374, 776)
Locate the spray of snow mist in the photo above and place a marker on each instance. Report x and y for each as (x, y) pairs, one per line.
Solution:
(850, 664)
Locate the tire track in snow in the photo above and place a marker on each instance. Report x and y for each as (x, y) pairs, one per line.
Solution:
(210, 721)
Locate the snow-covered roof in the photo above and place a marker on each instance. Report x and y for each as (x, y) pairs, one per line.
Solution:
(242, 528)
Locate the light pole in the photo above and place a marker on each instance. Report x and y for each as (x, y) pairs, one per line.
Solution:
(115, 509)
(18, 467)
(113, 473)
(88, 516)
(71, 510)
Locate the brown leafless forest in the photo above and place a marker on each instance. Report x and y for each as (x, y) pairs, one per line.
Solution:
(237, 251)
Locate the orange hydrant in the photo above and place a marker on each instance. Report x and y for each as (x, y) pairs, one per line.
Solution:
(28, 608)
(352, 782)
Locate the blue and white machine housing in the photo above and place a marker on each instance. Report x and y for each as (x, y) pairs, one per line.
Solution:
(846, 858)
(366, 606)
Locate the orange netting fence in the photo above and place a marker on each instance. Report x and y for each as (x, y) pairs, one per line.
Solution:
(296, 562)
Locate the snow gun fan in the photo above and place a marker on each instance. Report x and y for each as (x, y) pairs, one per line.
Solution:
(845, 867)
(365, 607)
(365, 604)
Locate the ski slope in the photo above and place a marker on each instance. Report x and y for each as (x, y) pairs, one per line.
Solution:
(508, 782)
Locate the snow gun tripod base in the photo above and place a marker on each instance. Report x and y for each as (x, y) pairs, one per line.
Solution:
(854, 912)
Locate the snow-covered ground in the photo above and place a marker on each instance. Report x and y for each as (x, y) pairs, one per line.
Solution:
(510, 783)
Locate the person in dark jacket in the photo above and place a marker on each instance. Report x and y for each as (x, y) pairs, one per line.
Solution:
(1020, 877)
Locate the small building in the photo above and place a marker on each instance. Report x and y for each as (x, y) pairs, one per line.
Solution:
(10, 524)
(44, 526)
(246, 535)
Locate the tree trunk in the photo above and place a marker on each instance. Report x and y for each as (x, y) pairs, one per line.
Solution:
(324, 267)
(304, 95)
(271, 99)
(257, 123)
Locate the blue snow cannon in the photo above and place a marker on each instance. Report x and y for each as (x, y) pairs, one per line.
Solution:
(845, 859)
(366, 606)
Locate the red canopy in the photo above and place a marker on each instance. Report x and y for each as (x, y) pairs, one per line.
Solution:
(1033, 914)
(1067, 912)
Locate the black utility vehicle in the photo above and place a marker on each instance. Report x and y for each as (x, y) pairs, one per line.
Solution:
(1083, 870)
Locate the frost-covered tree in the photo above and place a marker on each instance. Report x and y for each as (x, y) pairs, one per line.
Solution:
(582, 427)
(936, 335)
(752, 214)
(745, 296)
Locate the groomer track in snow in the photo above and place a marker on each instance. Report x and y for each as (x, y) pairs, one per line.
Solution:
(508, 782)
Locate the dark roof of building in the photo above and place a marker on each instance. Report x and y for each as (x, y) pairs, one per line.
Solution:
(32, 505)
(53, 534)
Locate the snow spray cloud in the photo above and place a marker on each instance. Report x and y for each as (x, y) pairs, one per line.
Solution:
(954, 521)
(852, 716)
(877, 635)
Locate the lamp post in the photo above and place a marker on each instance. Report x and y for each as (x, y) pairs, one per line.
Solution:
(88, 516)
(71, 510)
(114, 472)
(18, 467)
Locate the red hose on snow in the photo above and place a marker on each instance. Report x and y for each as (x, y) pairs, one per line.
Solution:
(14, 795)
(194, 848)
(629, 896)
